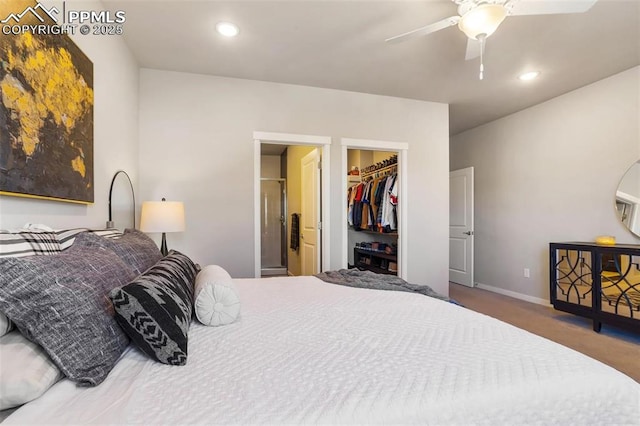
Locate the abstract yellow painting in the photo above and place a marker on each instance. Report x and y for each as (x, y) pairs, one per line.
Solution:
(46, 116)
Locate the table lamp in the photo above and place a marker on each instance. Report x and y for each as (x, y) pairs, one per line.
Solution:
(162, 216)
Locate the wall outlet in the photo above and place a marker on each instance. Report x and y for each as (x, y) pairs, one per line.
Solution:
(527, 273)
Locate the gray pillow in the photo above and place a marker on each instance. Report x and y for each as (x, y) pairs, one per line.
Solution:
(61, 303)
(136, 249)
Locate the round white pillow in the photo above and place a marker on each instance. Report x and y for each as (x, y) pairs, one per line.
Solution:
(216, 299)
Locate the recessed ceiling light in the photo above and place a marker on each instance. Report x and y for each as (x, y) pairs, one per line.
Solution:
(529, 75)
(227, 29)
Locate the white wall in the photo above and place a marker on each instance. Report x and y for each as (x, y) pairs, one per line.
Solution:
(630, 183)
(115, 85)
(549, 174)
(196, 145)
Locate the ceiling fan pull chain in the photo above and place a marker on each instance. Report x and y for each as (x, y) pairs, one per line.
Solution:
(482, 38)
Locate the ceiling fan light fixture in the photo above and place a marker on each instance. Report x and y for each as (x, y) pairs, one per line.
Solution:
(227, 29)
(527, 76)
(483, 19)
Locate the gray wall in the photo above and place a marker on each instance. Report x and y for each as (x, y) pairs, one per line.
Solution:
(196, 145)
(549, 173)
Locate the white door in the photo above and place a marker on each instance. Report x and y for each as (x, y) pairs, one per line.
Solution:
(461, 226)
(309, 214)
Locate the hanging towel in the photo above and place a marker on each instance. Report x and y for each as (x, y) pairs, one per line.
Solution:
(295, 231)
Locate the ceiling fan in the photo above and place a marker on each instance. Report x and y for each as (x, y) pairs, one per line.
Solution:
(478, 19)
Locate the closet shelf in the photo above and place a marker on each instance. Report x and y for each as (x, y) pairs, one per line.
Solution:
(383, 171)
(365, 231)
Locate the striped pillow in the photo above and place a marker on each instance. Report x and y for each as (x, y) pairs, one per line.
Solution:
(66, 237)
(21, 244)
(31, 243)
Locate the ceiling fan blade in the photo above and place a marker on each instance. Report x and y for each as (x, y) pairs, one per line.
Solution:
(432, 28)
(548, 7)
(473, 49)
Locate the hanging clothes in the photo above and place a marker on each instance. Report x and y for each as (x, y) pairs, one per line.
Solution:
(380, 203)
(393, 196)
(366, 206)
(357, 207)
(390, 202)
(372, 205)
(351, 197)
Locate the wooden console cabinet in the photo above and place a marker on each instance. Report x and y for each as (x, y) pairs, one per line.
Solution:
(597, 282)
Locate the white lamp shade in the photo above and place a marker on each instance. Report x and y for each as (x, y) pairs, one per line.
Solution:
(162, 216)
(483, 19)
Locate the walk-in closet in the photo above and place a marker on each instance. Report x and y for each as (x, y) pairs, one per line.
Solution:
(372, 210)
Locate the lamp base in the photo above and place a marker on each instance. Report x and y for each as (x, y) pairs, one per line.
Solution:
(163, 246)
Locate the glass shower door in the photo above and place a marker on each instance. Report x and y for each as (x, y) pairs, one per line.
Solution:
(273, 215)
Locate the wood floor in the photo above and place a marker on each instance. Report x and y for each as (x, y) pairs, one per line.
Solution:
(612, 346)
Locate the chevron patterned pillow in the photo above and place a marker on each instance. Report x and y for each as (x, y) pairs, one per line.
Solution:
(155, 309)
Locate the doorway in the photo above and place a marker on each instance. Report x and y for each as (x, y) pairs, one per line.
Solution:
(400, 150)
(461, 224)
(294, 239)
(372, 218)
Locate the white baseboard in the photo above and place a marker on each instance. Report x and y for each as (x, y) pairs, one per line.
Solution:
(513, 294)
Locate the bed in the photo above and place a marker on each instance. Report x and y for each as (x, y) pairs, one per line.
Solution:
(304, 351)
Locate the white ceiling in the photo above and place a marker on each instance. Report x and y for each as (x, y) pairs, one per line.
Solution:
(340, 45)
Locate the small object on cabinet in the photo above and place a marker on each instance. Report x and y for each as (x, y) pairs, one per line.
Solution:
(606, 240)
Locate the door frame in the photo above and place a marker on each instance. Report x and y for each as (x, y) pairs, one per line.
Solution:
(403, 235)
(323, 143)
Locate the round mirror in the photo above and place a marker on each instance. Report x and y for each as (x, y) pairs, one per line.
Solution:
(628, 199)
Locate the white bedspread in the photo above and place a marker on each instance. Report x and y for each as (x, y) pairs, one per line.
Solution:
(304, 351)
